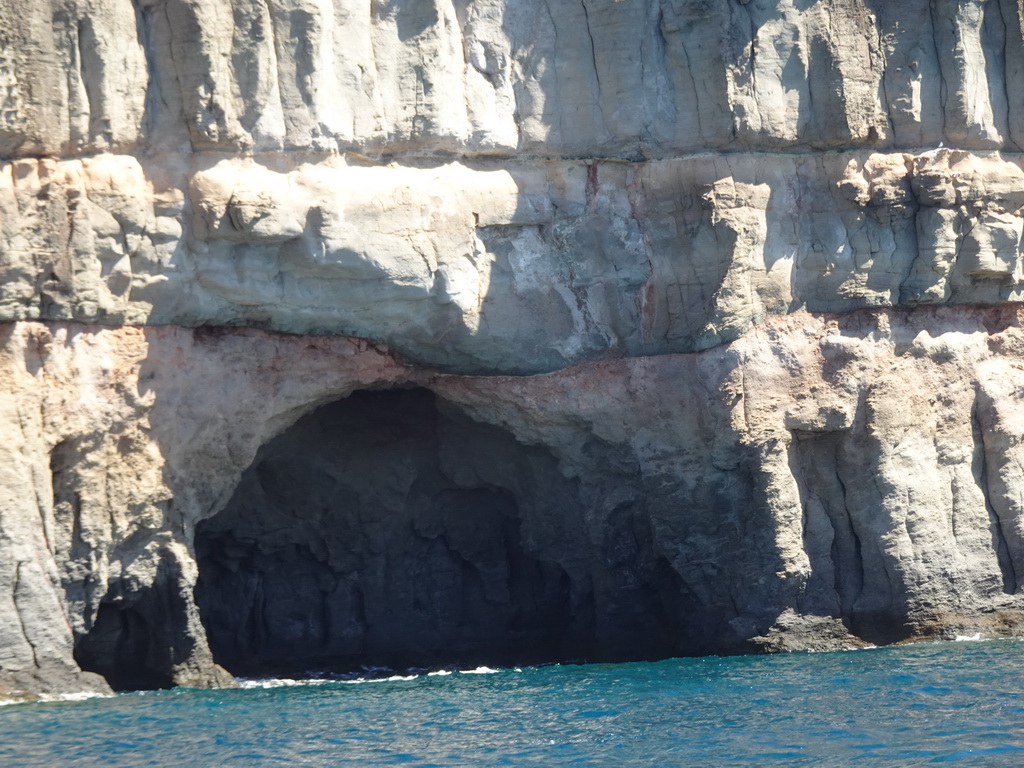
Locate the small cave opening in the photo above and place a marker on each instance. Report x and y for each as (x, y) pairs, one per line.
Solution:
(118, 648)
(140, 638)
(390, 530)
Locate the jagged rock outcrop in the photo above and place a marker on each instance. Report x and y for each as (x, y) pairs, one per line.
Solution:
(859, 470)
(673, 327)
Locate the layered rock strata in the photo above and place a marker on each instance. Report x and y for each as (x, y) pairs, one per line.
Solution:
(506, 187)
(518, 267)
(344, 333)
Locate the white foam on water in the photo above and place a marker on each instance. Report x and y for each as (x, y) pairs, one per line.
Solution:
(852, 649)
(49, 698)
(278, 682)
(969, 638)
(392, 679)
(250, 683)
(77, 696)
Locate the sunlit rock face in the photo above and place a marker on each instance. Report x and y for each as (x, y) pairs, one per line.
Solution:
(694, 327)
(649, 78)
(507, 187)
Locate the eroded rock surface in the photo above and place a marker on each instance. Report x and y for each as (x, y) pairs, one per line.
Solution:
(506, 187)
(692, 323)
(524, 266)
(645, 78)
(856, 473)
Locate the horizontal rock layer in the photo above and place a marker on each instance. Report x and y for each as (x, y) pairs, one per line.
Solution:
(820, 482)
(649, 78)
(514, 267)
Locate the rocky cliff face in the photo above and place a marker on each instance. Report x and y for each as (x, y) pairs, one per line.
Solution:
(397, 333)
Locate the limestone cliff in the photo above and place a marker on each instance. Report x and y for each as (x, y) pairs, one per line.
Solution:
(415, 332)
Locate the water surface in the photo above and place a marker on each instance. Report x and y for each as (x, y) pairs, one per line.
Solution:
(934, 703)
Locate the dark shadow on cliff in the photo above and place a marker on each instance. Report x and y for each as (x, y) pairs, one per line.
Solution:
(140, 638)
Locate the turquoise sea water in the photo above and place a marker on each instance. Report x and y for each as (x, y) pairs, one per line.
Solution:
(955, 702)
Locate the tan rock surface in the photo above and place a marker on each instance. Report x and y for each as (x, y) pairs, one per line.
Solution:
(856, 469)
(717, 300)
(520, 267)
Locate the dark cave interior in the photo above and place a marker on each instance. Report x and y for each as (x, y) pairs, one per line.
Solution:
(389, 530)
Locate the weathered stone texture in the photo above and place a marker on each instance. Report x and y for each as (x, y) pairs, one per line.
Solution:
(736, 282)
(524, 267)
(649, 78)
(492, 187)
(858, 470)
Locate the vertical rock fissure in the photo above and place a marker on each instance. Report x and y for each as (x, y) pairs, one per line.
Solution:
(593, 52)
(69, 539)
(857, 559)
(15, 590)
(830, 536)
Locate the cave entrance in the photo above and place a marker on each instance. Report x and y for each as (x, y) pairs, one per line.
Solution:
(390, 530)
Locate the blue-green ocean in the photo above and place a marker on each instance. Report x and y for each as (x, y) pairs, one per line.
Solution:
(911, 705)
